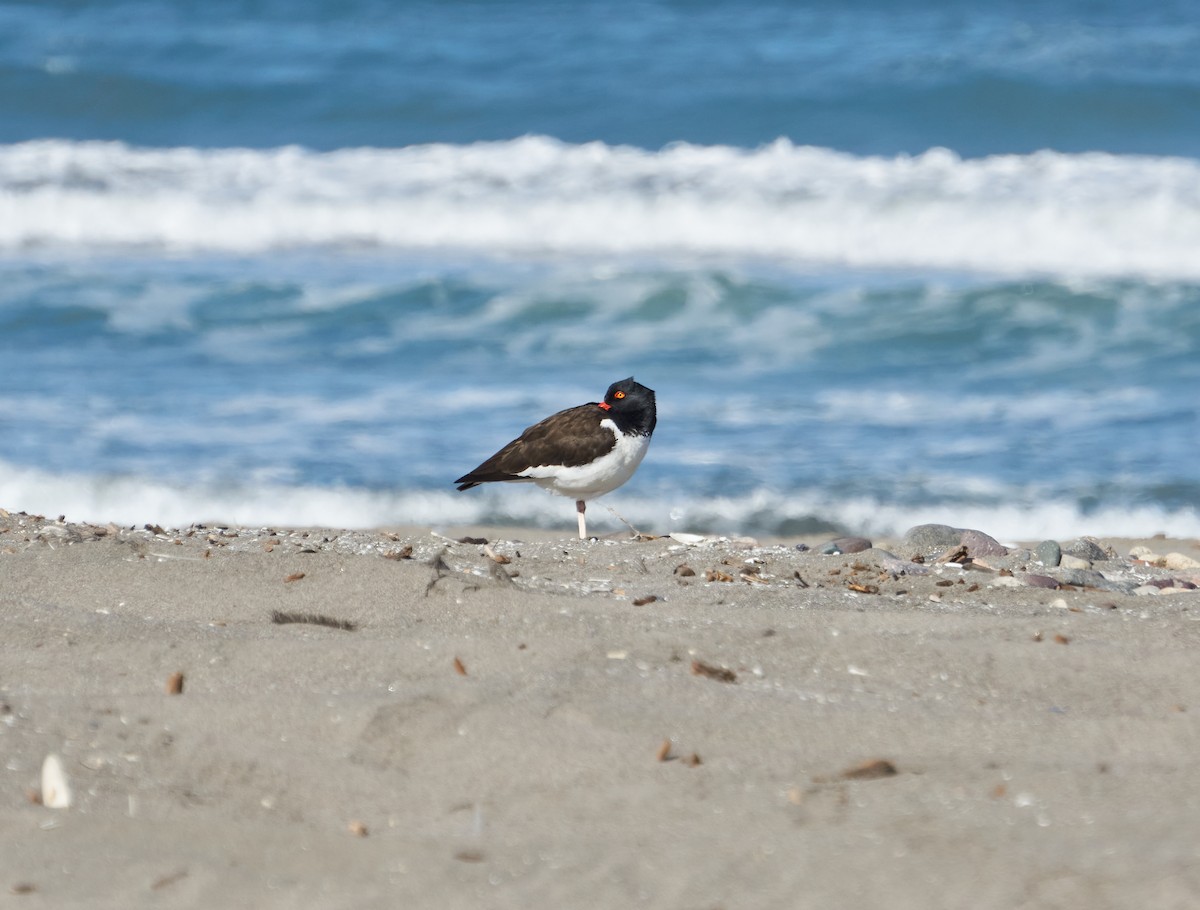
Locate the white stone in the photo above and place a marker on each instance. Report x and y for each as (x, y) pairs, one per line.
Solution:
(1007, 581)
(1145, 554)
(1179, 561)
(56, 792)
(1074, 562)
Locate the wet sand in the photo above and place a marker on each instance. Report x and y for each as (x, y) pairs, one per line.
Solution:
(585, 724)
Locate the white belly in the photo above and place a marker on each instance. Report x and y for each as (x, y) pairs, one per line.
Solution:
(603, 476)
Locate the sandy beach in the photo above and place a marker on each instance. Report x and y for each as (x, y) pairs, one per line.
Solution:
(320, 718)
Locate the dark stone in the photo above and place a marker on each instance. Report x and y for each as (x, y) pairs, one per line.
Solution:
(1048, 553)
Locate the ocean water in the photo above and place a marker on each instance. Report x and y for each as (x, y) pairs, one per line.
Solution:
(883, 263)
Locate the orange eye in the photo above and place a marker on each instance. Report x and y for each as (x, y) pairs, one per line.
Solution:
(618, 395)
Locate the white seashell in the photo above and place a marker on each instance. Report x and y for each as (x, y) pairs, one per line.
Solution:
(690, 539)
(56, 792)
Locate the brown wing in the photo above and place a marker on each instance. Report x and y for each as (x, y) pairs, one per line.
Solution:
(569, 438)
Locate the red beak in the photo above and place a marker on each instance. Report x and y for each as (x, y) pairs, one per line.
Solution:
(606, 406)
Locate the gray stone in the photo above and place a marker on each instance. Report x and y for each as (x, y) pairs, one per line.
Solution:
(932, 538)
(1048, 553)
(1089, 578)
(1086, 549)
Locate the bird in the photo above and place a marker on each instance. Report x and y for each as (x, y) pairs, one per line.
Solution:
(582, 452)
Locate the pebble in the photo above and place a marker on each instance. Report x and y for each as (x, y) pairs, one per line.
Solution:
(1007, 581)
(980, 544)
(56, 792)
(1090, 578)
(1067, 561)
(1178, 561)
(932, 538)
(840, 545)
(1146, 589)
(1085, 548)
(1048, 553)
(1041, 581)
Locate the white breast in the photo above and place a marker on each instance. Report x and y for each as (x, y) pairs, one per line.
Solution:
(601, 476)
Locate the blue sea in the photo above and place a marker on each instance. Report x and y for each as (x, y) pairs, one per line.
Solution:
(884, 263)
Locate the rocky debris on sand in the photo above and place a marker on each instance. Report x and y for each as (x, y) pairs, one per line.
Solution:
(1178, 562)
(933, 562)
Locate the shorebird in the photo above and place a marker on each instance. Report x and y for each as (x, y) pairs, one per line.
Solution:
(582, 452)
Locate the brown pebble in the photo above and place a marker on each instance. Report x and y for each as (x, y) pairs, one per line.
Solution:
(714, 575)
(684, 570)
(944, 583)
(469, 856)
(168, 879)
(870, 770)
(357, 828)
(999, 791)
(972, 589)
(459, 667)
(664, 751)
(477, 541)
(642, 601)
(295, 576)
(720, 674)
(955, 554)
(23, 888)
(692, 761)
(175, 684)
(862, 589)
(404, 552)
(1060, 638)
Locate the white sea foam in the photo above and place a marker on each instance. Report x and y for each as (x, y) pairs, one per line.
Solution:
(135, 501)
(1071, 214)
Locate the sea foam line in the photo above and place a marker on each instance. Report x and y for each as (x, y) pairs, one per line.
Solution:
(131, 500)
(1076, 214)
